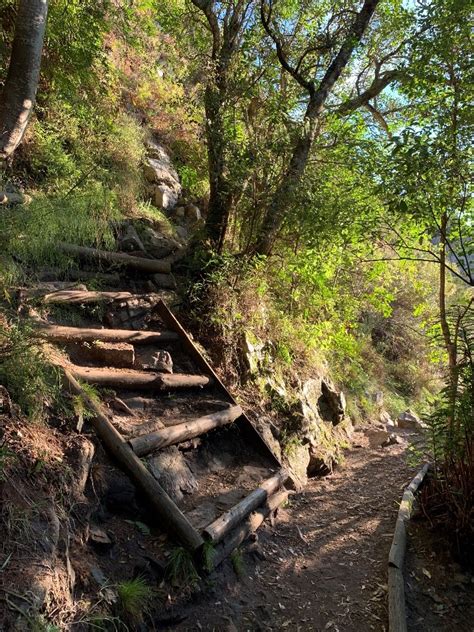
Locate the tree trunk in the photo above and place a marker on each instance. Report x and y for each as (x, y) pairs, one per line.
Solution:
(19, 92)
(219, 194)
(284, 194)
(446, 331)
(144, 444)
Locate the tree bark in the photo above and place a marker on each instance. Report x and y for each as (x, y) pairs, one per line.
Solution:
(147, 443)
(138, 380)
(151, 266)
(449, 343)
(222, 526)
(19, 92)
(59, 333)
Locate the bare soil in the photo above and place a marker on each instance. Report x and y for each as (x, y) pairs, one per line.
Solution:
(323, 566)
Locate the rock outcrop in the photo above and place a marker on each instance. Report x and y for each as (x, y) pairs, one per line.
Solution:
(163, 184)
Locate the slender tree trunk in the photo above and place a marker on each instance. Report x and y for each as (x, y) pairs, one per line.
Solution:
(19, 92)
(284, 194)
(449, 343)
(218, 211)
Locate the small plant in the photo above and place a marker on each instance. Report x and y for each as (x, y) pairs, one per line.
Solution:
(238, 563)
(208, 553)
(181, 570)
(135, 597)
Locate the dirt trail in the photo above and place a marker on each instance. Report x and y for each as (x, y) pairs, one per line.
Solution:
(323, 565)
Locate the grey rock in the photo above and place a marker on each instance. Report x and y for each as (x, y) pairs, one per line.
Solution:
(172, 471)
(193, 214)
(130, 241)
(155, 361)
(376, 437)
(410, 421)
(393, 439)
(158, 245)
(386, 420)
(182, 232)
(179, 212)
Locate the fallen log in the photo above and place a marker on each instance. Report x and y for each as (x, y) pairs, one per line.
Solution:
(151, 266)
(145, 444)
(242, 532)
(220, 528)
(171, 517)
(396, 601)
(396, 589)
(397, 550)
(138, 380)
(57, 333)
(84, 296)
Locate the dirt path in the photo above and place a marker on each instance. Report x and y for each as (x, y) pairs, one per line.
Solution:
(323, 566)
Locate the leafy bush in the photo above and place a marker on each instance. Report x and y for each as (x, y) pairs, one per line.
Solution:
(449, 498)
(33, 383)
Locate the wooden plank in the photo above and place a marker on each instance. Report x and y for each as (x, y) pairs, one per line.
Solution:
(168, 514)
(145, 444)
(221, 527)
(138, 380)
(245, 529)
(58, 333)
(188, 345)
(151, 266)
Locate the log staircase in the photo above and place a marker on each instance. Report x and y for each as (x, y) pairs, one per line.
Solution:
(158, 395)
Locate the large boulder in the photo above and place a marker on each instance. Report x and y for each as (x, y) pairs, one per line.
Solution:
(320, 400)
(165, 188)
(410, 421)
(158, 245)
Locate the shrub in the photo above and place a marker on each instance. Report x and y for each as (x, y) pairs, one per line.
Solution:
(32, 381)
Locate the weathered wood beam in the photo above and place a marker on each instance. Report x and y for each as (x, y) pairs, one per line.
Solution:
(58, 333)
(243, 531)
(222, 526)
(138, 380)
(84, 296)
(152, 266)
(145, 444)
(168, 514)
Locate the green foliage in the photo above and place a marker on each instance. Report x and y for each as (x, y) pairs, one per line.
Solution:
(181, 570)
(208, 553)
(32, 232)
(135, 597)
(238, 565)
(32, 381)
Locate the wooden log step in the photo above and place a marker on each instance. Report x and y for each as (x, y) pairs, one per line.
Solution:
(57, 333)
(138, 380)
(85, 296)
(245, 529)
(183, 432)
(152, 266)
(168, 514)
(223, 525)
